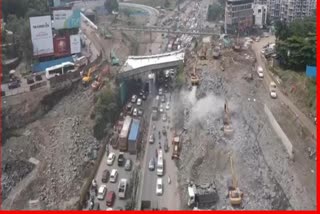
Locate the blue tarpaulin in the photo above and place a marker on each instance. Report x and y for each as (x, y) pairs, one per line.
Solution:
(311, 71)
(41, 67)
(134, 130)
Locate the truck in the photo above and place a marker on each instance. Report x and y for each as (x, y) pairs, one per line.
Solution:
(134, 136)
(122, 188)
(176, 148)
(155, 109)
(202, 196)
(123, 137)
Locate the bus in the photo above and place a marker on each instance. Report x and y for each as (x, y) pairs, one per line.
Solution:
(155, 107)
(160, 163)
(61, 69)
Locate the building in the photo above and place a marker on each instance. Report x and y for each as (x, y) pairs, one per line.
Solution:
(238, 16)
(288, 10)
(259, 15)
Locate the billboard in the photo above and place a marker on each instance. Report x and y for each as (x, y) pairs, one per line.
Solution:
(75, 44)
(61, 46)
(41, 35)
(66, 19)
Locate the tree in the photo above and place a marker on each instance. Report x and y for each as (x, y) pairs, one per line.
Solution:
(215, 11)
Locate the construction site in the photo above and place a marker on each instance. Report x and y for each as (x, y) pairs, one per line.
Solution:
(230, 145)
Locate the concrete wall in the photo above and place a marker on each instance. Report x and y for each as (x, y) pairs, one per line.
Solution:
(285, 140)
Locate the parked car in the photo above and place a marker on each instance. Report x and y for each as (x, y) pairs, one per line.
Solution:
(114, 176)
(38, 77)
(134, 98)
(159, 189)
(30, 80)
(140, 112)
(128, 165)
(105, 176)
(164, 117)
(111, 158)
(273, 88)
(260, 71)
(160, 91)
(168, 106)
(135, 112)
(14, 84)
(152, 164)
(102, 192)
(161, 108)
(111, 196)
(139, 101)
(121, 159)
(151, 139)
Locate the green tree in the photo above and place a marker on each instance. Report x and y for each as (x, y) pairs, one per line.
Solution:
(111, 5)
(215, 12)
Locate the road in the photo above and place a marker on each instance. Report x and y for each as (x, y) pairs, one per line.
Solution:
(306, 122)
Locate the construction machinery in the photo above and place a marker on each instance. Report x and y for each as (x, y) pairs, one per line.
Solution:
(227, 125)
(202, 196)
(88, 76)
(235, 195)
(194, 76)
(99, 82)
(176, 148)
(114, 59)
(237, 46)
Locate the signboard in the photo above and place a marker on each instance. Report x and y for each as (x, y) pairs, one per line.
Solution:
(41, 35)
(75, 44)
(66, 19)
(61, 46)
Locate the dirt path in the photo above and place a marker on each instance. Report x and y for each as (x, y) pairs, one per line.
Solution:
(306, 122)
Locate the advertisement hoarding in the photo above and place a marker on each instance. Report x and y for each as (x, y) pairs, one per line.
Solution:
(61, 46)
(75, 44)
(66, 19)
(41, 35)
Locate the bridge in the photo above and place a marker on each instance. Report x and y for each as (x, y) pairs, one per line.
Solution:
(195, 31)
(136, 65)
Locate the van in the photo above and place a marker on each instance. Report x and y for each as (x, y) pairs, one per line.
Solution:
(102, 192)
(114, 176)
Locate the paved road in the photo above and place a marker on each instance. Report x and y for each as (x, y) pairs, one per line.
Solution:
(306, 122)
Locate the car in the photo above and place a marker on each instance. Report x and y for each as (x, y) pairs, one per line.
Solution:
(166, 147)
(152, 164)
(102, 192)
(141, 93)
(139, 101)
(114, 176)
(128, 165)
(160, 91)
(129, 107)
(135, 112)
(157, 97)
(121, 159)
(105, 176)
(14, 84)
(111, 196)
(109, 209)
(168, 106)
(161, 108)
(111, 158)
(260, 71)
(134, 98)
(151, 139)
(159, 188)
(273, 88)
(164, 117)
(140, 112)
(163, 99)
(257, 39)
(144, 97)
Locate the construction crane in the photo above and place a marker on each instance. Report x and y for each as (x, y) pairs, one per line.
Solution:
(227, 125)
(235, 195)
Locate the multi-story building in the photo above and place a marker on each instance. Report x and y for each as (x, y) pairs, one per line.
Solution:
(238, 16)
(288, 10)
(260, 15)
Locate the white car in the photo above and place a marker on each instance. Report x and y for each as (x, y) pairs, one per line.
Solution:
(273, 88)
(135, 112)
(168, 106)
(157, 97)
(151, 139)
(164, 117)
(260, 71)
(160, 91)
(111, 158)
(113, 176)
(159, 189)
(134, 98)
(102, 192)
(161, 108)
(139, 102)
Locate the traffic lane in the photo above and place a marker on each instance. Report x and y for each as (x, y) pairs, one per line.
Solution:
(113, 186)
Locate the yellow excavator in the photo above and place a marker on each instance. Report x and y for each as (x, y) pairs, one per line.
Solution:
(88, 77)
(235, 194)
(227, 125)
(194, 76)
